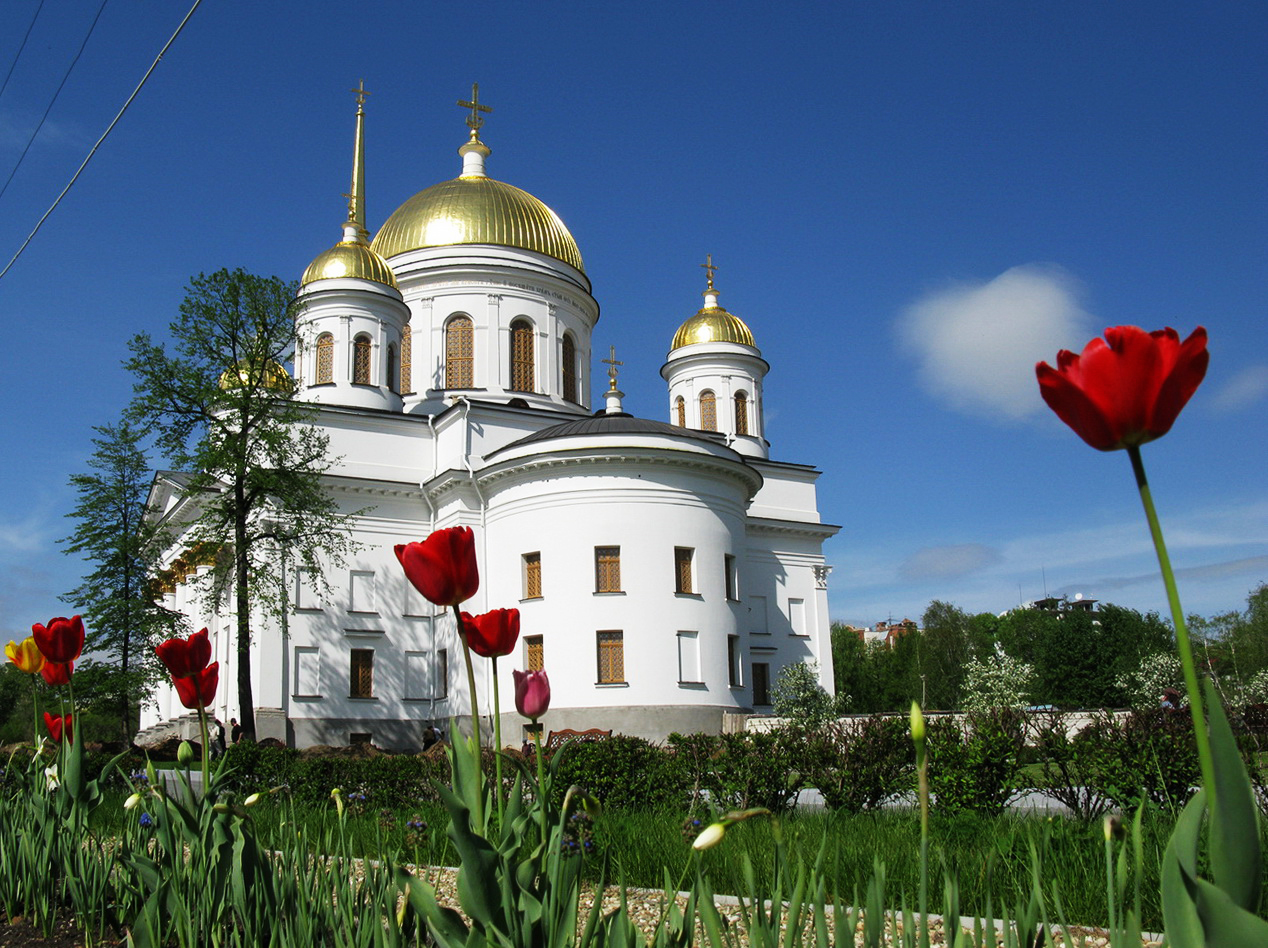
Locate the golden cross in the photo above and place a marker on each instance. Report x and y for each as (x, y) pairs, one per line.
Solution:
(474, 121)
(612, 361)
(709, 267)
(360, 93)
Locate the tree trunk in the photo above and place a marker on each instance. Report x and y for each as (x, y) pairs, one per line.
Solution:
(246, 700)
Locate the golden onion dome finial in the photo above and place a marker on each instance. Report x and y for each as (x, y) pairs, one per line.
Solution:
(709, 268)
(356, 197)
(473, 150)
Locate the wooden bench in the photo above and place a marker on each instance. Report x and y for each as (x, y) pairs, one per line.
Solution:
(557, 739)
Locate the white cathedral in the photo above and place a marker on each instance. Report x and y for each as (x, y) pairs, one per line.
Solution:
(665, 571)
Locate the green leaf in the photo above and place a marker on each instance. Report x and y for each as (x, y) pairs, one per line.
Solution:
(1228, 925)
(1179, 868)
(1235, 857)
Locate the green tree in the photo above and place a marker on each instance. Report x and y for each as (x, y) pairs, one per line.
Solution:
(946, 649)
(799, 697)
(116, 541)
(224, 410)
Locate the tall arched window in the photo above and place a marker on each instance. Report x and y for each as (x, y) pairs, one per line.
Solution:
(361, 360)
(522, 373)
(708, 412)
(391, 368)
(568, 356)
(325, 359)
(680, 406)
(407, 352)
(741, 413)
(459, 349)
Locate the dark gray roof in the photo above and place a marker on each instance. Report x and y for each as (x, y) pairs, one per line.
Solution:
(614, 424)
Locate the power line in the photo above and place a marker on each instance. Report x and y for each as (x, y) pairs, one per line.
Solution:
(18, 55)
(53, 101)
(109, 129)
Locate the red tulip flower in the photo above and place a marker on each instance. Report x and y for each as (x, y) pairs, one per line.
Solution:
(1127, 388)
(185, 657)
(198, 690)
(493, 634)
(59, 726)
(442, 567)
(61, 640)
(532, 693)
(57, 673)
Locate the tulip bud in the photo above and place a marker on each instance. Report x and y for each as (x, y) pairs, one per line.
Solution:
(221, 807)
(917, 723)
(185, 754)
(132, 801)
(337, 795)
(711, 836)
(1113, 826)
(252, 800)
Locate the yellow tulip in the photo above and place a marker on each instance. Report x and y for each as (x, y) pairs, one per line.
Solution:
(27, 655)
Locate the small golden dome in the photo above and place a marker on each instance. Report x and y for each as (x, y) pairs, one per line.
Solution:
(713, 324)
(350, 259)
(275, 377)
(474, 209)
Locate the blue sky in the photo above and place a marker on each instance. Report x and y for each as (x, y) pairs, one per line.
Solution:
(910, 204)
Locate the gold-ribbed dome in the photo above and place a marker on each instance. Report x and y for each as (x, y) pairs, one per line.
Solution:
(713, 324)
(275, 376)
(350, 259)
(475, 209)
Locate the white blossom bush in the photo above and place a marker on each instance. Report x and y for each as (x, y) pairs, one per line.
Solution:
(999, 681)
(800, 698)
(1145, 685)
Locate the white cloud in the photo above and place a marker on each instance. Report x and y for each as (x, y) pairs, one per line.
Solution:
(947, 562)
(1248, 386)
(977, 344)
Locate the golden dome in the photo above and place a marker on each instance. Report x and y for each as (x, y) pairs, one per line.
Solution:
(275, 376)
(350, 259)
(475, 209)
(713, 324)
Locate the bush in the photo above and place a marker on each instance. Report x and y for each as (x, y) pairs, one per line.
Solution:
(624, 773)
(744, 770)
(1069, 764)
(857, 764)
(1148, 755)
(974, 765)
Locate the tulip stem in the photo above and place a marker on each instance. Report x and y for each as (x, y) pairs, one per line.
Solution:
(497, 739)
(1182, 631)
(475, 716)
(202, 729)
(541, 779)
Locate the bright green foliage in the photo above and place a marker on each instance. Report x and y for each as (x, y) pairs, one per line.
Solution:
(625, 773)
(857, 764)
(799, 698)
(741, 771)
(974, 764)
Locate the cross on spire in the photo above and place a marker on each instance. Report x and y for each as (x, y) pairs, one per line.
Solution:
(612, 361)
(360, 93)
(474, 121)
(709, 267)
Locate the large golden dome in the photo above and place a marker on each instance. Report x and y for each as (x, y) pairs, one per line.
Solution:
(713, 324)
(349, 259)
(474, 209)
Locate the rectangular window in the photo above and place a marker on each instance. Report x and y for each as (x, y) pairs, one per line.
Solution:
(728, 564)
(734, 675)
(797, 616)
(688, 657)
(534, 655)
(682, 569)
(361, 673)
(607, 569)
(761, 683)
(611, 657)
(361, 591)
(532, 575)
(306, 589)
(757, 616)
(307, 672)
(416, 684)
(414, 604)
(442, 673)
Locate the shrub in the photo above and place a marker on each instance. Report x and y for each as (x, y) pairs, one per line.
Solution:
(1148, 755)
(744, 770)
(1069, 764)
(800, 698)
(624, 773)
(974, 764)
(1145, 685)
(997, 682)
(857, 764)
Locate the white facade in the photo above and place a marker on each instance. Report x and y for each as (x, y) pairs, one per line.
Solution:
(664, 574)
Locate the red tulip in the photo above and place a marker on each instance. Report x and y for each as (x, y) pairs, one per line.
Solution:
(198, 690)
(57, 673)
(493, 634)
(58, 725)
(61, 640)
(532, 693)
(185, 657)
(1125, 389)
(442, 567)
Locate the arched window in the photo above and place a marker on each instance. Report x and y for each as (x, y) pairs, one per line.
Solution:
(325, 359)
(741, 413)
(568, 356)
(459, 348)
(522, 373)
(708, 412)
(391, 368)
(680, 406)
(407, 352)
(361, 360)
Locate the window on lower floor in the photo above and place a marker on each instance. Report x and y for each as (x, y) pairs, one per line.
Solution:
(734, 677)
(532, 575)
(534, 653)
(761, 683)
(607, 569)
(442, 673)
(797, 616)
(688, 657)
(682, 569)
(307, 672)
(361, 673)
(611, 648)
